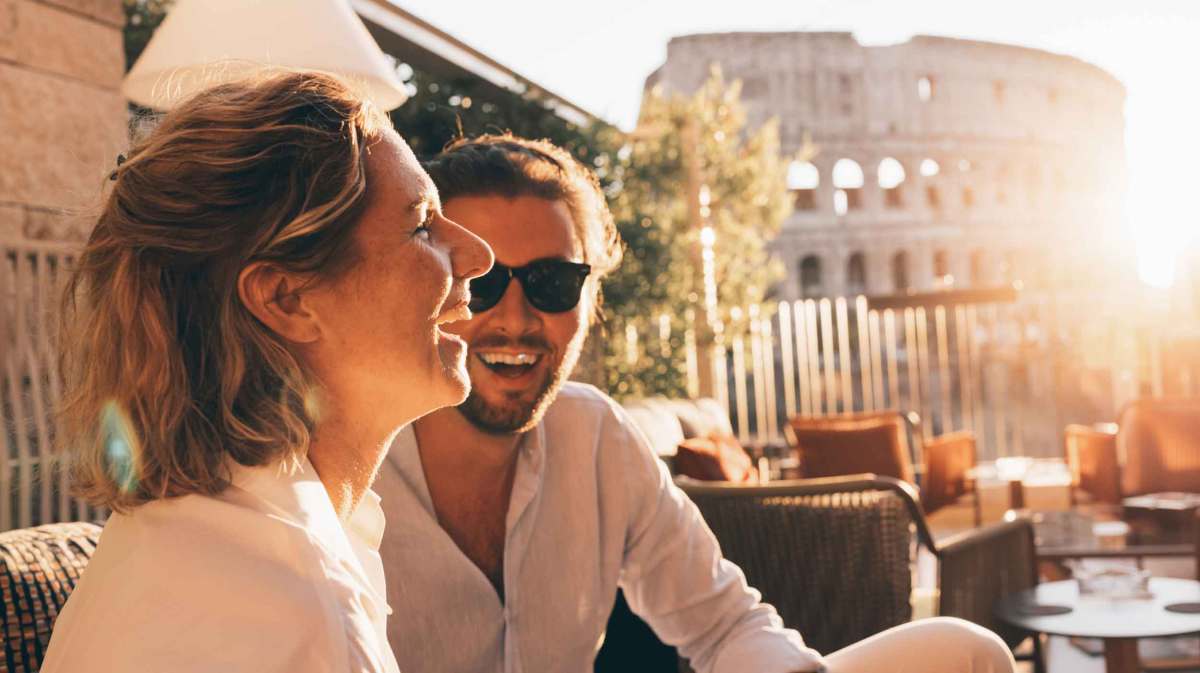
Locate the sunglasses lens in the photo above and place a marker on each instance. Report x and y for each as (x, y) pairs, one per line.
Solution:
(488, 289)
(553, 286)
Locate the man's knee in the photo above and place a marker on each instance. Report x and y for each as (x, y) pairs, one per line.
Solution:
(987, 651)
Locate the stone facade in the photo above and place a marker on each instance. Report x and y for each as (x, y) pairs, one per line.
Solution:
(62, 117)
(1028, 148)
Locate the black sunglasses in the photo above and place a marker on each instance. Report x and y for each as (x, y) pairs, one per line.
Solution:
(550, 285)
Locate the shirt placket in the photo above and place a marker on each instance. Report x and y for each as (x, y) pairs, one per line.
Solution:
(522, 511)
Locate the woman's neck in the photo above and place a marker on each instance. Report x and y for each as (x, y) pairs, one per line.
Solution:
(347, 455)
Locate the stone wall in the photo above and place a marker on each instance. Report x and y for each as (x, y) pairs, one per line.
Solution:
(62, 118)
(1028, 148)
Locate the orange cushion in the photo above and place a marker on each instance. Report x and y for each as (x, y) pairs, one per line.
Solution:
(715, 458)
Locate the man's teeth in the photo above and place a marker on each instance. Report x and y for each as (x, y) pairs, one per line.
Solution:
(508, 358)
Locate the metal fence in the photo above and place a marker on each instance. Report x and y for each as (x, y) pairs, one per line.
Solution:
(1008, 369)
(33, 489)
(998, 365)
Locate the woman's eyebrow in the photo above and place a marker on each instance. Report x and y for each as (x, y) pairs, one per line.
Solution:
(425, 199)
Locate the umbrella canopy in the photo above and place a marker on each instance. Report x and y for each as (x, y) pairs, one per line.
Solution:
(202, 43)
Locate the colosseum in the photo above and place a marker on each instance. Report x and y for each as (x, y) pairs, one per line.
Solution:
(939, 163)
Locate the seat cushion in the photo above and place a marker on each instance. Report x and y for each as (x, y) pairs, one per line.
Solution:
(702, 418)
(38, 569)
(658, 422)
(853, 448)
(714, 458)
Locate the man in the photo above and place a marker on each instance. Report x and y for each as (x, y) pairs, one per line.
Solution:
(514, 518)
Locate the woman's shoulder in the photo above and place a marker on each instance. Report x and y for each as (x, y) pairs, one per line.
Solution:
(198, 574)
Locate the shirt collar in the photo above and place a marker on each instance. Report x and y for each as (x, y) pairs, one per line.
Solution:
(293, 491)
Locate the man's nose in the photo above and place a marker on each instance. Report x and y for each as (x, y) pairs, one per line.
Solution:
(513, 314)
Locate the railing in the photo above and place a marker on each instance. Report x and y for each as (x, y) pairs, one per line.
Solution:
(989, 361)
(1006, 368)
(33, 489)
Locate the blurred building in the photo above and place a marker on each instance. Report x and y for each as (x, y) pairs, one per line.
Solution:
(62, 117)
(938, 162)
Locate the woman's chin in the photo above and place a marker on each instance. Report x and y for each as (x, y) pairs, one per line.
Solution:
(455, 383)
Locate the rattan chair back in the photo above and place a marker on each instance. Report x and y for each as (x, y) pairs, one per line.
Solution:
(38, 570)
(1160, 442)
(832, 555)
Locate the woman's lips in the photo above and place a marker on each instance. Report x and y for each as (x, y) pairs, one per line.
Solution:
(458, 312)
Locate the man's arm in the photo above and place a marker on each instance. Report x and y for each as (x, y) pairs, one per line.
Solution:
(675, 578)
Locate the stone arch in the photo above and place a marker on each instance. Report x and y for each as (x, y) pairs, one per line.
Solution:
(977, 268)
(848, 186)
(901, 272)
(856, 274)
(941, 268)
(926, 87)
(891, 178)
(803, 179)
(810, 277)
(929, 169)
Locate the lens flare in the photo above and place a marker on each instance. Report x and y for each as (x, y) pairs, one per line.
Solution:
(120, 446)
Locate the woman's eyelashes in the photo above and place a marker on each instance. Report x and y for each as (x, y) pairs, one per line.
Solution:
(425, 227)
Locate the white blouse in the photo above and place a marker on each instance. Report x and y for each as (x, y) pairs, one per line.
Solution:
(262, 577)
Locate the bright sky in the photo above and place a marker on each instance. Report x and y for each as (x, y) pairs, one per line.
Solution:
(598, 54)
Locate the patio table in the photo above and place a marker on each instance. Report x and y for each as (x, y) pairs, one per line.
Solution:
(1171, 610)
(1079, 534)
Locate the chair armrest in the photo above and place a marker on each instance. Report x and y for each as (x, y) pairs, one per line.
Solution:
(1092, 458)
(979, 567)
(948, 462)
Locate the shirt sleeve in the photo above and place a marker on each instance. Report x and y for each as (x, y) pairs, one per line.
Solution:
(675, 578)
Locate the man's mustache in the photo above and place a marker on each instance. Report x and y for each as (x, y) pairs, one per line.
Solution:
(530, 342)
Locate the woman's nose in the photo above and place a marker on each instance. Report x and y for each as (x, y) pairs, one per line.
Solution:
(470, 256)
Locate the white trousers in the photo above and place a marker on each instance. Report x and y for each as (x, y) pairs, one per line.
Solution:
(936, 645)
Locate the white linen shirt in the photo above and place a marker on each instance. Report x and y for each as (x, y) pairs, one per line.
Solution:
(262, 577)
(592, 509)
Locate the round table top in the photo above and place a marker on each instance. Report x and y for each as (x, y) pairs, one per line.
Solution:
(1096, 617)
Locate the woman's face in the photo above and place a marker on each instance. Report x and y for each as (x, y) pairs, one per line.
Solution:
(381, 347)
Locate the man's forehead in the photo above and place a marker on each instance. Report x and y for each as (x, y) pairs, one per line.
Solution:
(520, 230)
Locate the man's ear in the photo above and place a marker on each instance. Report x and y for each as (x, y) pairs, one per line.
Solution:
(273, 295)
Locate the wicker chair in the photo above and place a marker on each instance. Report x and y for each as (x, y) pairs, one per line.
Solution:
(38, 569)
(977, 568)
(832, 555)
(1156, 448)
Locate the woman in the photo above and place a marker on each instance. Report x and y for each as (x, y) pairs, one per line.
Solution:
(257, 312)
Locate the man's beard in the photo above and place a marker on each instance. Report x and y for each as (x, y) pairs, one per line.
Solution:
(517, 416)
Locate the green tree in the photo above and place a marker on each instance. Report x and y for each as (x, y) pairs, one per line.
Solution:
(442, 109)
(744, 176)
(142, 18)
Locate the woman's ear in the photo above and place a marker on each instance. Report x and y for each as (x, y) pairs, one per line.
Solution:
(273, 295)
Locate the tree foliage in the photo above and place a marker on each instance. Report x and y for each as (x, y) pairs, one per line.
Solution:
(142, 18)
(745, 176)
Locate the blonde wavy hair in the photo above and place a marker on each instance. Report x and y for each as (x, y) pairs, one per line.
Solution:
(167, 375)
